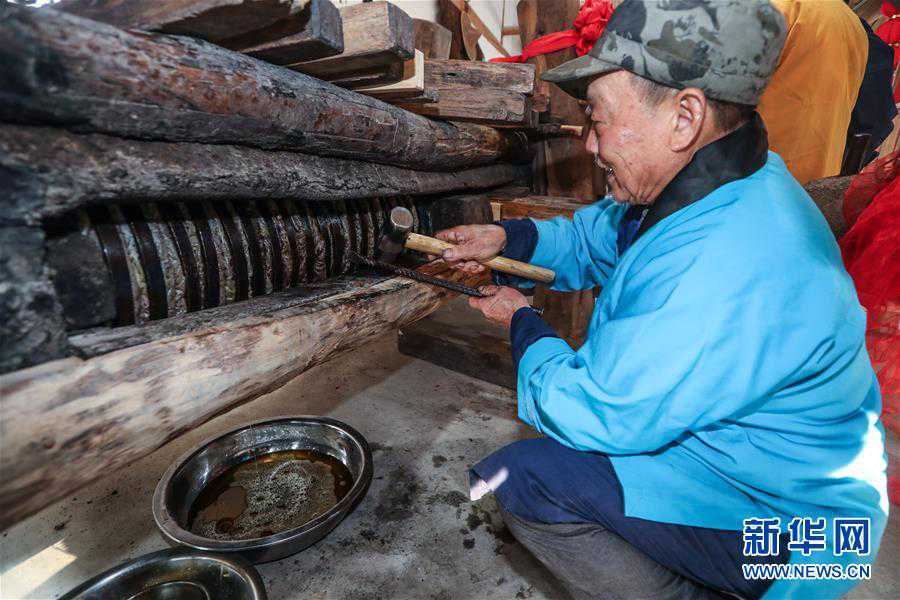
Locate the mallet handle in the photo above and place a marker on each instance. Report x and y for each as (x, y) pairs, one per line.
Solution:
(430, 245)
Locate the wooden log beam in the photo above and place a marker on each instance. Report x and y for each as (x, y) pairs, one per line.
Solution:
(90, 77)
(207, 19)
(48, 172)
(376, 35)
(101, 414)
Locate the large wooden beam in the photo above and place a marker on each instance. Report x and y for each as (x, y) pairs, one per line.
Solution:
(48, 172)
(90, 77)
(208, 19)
(376, 35)
(93, 416)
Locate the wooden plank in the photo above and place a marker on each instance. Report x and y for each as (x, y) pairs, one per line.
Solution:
(412, 84)
(538, 207)
(101, 414)
(460, 339)
(376, 35)
(314, 32)
(50, 172)
(208, 19)
(466, 96)
(467, 74)
(179, 89)
(432, 39)
(450, 17)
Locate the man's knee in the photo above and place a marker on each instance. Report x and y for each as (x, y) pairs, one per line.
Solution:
(541, 480)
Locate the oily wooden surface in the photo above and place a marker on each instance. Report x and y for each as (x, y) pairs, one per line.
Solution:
(65, 423)
(475, 94)
(376, 34)
(314, 32)
(432, 39)
(208, 19)
(91, 77)
(49, 172)
(537, 207)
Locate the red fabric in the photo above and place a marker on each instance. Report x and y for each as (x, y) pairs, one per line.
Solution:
(588, 25)
(871, 253)
(889, 31)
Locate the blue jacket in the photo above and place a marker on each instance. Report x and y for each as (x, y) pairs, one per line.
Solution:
(725, 369)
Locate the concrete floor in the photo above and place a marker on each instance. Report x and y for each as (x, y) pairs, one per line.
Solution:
(415, 535)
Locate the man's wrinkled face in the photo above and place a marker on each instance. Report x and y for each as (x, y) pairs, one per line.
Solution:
(627, 140)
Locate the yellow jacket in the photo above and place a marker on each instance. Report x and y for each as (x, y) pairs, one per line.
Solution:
(808, 103)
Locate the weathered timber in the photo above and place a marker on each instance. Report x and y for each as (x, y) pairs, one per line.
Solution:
(458, 338)
(101, 414)
(432, 39)
(31, 324)
(376, 34)
(314, 32)
(90, 77)
(537, 207)
(472, 94)
(467, 74)
(207, 19)
(49, 172)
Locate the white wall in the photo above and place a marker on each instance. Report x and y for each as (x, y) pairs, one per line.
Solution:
(488, 10)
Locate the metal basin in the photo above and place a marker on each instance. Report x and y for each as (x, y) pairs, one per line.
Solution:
(183, 482)
(175, 574)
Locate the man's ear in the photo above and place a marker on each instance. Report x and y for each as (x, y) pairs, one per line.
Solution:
(690, 112)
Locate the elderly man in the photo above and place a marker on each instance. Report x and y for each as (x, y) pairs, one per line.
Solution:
(723, 414)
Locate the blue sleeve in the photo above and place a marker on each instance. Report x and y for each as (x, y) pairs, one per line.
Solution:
(582, 251)
(521, 239)
(704, 330)
(526, 328)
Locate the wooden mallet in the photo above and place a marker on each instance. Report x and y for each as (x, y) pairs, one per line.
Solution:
(398, 235)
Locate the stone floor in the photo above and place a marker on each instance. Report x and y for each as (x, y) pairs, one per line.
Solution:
(415, 535)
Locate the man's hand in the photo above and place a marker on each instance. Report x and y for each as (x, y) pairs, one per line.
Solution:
(500, 305)
(474, 245)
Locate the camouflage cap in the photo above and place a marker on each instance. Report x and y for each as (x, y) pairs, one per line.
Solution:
(727, 48)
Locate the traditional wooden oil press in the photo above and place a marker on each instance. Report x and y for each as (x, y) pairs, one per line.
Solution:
(178, 215)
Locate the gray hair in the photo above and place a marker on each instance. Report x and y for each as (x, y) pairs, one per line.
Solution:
(727, 116)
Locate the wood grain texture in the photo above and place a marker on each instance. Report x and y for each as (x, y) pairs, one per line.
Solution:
(50, 172)
(467, 74)
(537, 207)
(101, 414)
(376, 34)
(207, 19)
(90, 77)
(314, 32)
(476, 94)
(432, 39)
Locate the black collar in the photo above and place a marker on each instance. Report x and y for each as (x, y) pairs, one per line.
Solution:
(734, 156)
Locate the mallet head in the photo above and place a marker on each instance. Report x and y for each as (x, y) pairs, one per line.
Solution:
(396, 229)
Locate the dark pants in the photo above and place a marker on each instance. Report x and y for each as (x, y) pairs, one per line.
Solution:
(567, 508)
